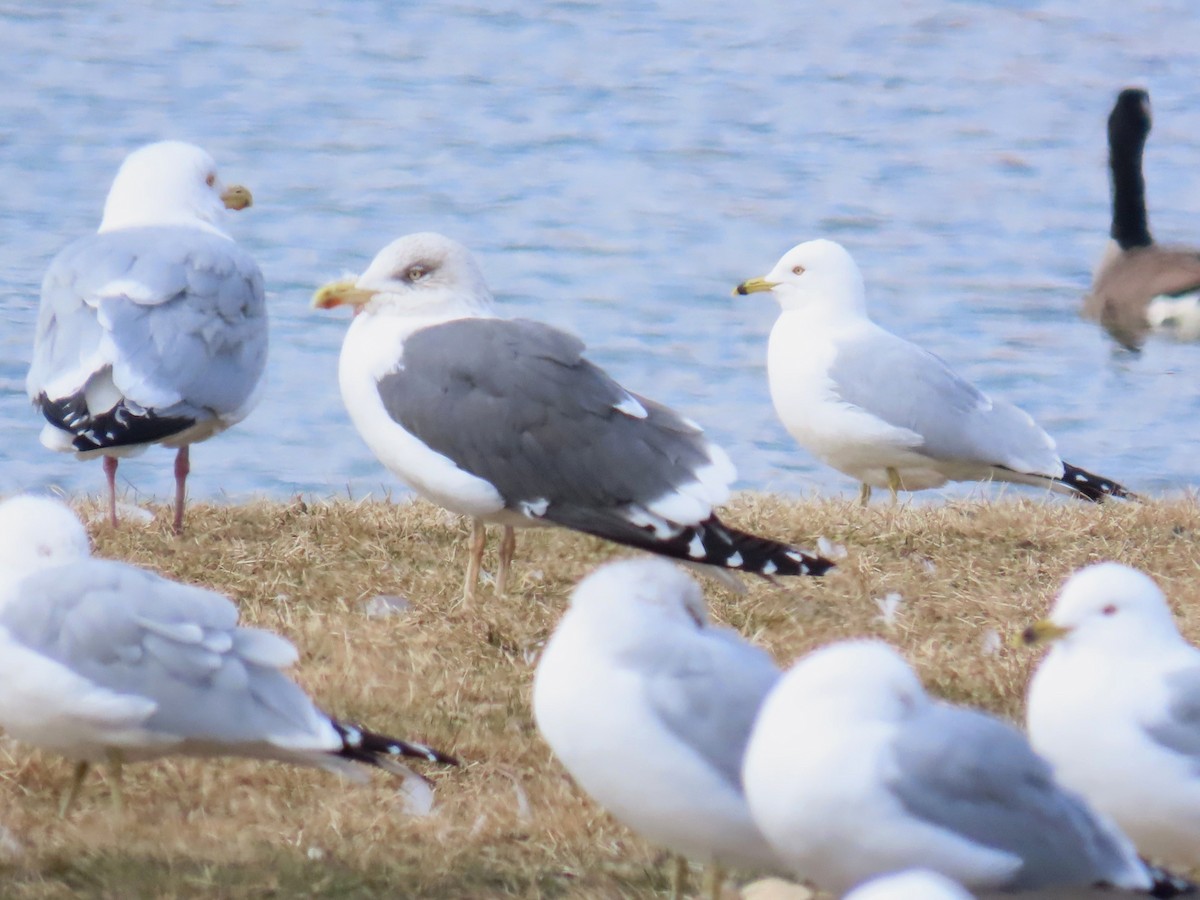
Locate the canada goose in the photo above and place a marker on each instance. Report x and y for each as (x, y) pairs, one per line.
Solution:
(1140, 287)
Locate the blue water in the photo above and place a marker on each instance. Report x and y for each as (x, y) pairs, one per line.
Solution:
(618, 167)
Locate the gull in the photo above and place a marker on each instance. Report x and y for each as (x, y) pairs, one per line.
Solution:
(154, 329)
(1115, 707)
(506, 421)
(104, 662)
(1140, 286)
(649, 707)
(853, 772)
(914, 884)
(882, 410)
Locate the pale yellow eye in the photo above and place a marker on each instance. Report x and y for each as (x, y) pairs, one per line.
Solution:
(797, 270)
(211, 179)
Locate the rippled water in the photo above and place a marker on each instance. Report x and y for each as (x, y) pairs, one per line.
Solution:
(618, 167)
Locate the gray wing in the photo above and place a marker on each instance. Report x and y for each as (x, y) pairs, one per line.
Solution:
(1179, 729)
(135, 633)
(515, 403)
(976, 776)
(908, 387)
(145, 331)
(708, 691)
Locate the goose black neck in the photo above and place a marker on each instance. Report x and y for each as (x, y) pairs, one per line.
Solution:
(1127, 129)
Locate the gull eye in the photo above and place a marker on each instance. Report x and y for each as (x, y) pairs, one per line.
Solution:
(797, 270)
(1109, 610)
(211, 179)
(415, 273)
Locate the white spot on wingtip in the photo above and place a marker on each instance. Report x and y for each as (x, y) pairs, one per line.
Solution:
(535, 509)
(630, 407)
(696, 548)
(734, 560)
(770, 568)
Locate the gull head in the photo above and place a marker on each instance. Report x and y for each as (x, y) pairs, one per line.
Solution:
(853, 681)
(1108, 606)
(170, 183)
(38, 532)
(418, 274)
(818, 274)
(623, 601)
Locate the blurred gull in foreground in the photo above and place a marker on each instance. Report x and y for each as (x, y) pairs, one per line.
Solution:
(915, 884)
(506, 421)
(154, 329)
(102, 661)
(853, 772)
(649, 707)
(882, 410)
(1115, 707)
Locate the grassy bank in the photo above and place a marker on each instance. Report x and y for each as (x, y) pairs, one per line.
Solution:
(510, 823)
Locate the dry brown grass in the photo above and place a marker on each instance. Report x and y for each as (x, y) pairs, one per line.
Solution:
(460, 679)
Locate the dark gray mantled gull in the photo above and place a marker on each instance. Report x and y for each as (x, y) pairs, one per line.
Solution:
(104, 662)
(1140, 287)
(506, 421)
(883, 410)
(649, 707)
(154, 329)
(853, 771)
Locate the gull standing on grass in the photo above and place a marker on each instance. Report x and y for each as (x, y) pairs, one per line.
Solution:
(104, 662)
(506, 421)
(649, 707)
(1115, 707)
(853, 771)
(882, 410)
(154, 329)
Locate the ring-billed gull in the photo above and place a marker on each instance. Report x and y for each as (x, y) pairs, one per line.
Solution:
(50, 534)
(1140, 286)
(154, 329)
(853, 771)
(102, 661)
(882, 410)
(915, 884)
(1115, 707)
(506, 421)
(648, 706)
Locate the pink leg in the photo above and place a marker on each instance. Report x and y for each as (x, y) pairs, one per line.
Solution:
(182, 467)
(110, 473)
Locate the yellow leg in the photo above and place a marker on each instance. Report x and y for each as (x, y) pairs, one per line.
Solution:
(72, 791)
(894, 483)
(114, 769)
(508, 546)
(679, 878)
(864, 494)
(474, 559)
(714, 880)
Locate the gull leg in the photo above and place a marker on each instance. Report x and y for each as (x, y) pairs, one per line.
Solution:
(110, 475)
(714, 880)
(508, 546)
(474, 559)
(894, 483)
(182, 467)
(114, 769)
(679, 878)
(864, 494)
(72, 791)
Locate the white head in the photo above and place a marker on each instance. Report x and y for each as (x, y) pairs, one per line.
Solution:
(915, 884)
(419, 274)
(852, 680)
(818, 274)
(36, 533)
(621, 602)
(170, 183)
(1109, 607)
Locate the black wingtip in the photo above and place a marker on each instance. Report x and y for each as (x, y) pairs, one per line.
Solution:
(124, 425)
(1093, 487)
(1167, 884)
(716, 544)
(375, 749)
